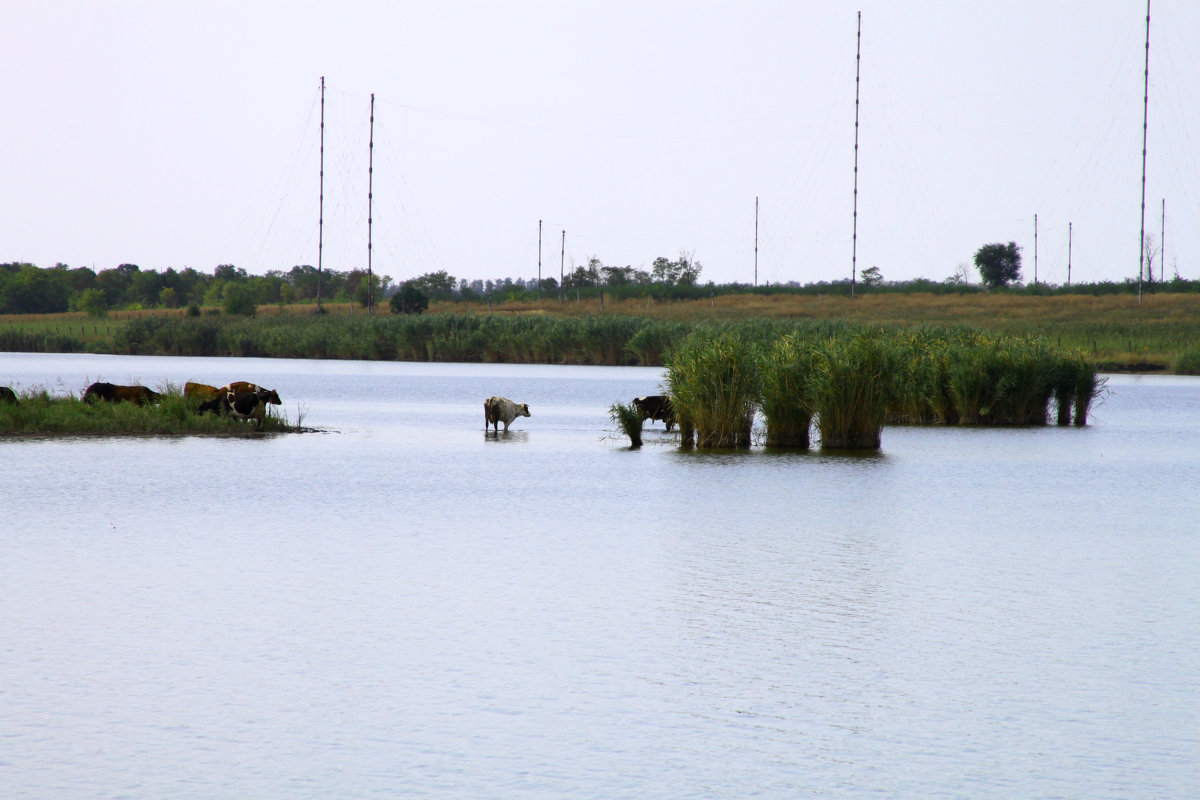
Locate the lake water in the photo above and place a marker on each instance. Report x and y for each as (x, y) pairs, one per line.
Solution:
(403, 606)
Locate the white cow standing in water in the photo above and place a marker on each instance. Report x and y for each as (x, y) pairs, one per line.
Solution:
(501, 409)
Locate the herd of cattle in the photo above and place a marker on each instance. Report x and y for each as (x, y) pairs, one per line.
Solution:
(248, 401)
(239, 399)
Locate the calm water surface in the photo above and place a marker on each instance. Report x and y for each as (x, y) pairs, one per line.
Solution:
(401, 606)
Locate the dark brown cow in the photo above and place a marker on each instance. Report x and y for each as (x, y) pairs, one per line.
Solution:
(656, 407)
(116, 393)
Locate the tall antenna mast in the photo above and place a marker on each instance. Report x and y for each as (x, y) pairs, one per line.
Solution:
(1068, 254)
(1145, 114)
(370, 195)
(1162, 245)
(1035, 249)
(756, 241)
(321, 207)
(539, 283)
(854, 234)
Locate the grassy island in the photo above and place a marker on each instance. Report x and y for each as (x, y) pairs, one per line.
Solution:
(38, 413)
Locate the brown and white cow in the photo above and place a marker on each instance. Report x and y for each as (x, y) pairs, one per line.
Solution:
(501, 409)
(116, 393)
(242, 387)
(656, 407)
(240, 405)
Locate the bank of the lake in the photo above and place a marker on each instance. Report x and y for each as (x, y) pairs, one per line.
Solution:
(1118, 333)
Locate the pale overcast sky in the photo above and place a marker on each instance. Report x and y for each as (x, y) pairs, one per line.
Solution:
(185, 134)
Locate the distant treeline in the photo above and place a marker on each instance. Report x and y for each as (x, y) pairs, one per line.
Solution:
(28, 289)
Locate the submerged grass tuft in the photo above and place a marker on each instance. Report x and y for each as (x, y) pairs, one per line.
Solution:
(629, 419)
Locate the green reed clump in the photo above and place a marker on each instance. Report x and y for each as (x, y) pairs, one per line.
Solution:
(629, 419)
(1073, 372)
(924, 379)
(654, 339)
(855, 384)
(1027, 385)
(1009, 380)
(785, 374)
(714, 386)
(1088, 386)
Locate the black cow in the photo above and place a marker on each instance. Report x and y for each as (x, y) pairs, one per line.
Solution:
(656, 407)
(116, 393)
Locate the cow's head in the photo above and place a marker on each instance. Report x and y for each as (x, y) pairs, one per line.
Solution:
(523, 410)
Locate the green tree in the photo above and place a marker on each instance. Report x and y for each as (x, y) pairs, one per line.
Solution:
(871, 276)
(145, 288)
(998, 264)
(34, 291)
(92, 301)
(79, 278)
(116, 283)
(689, 268)
(409, 300)
(436, 284)
(239, 300)
(684, 271)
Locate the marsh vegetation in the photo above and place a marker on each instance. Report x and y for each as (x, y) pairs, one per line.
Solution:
(852, 383)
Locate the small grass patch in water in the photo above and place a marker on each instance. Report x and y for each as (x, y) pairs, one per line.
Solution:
(629, 419)
(38, 413)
